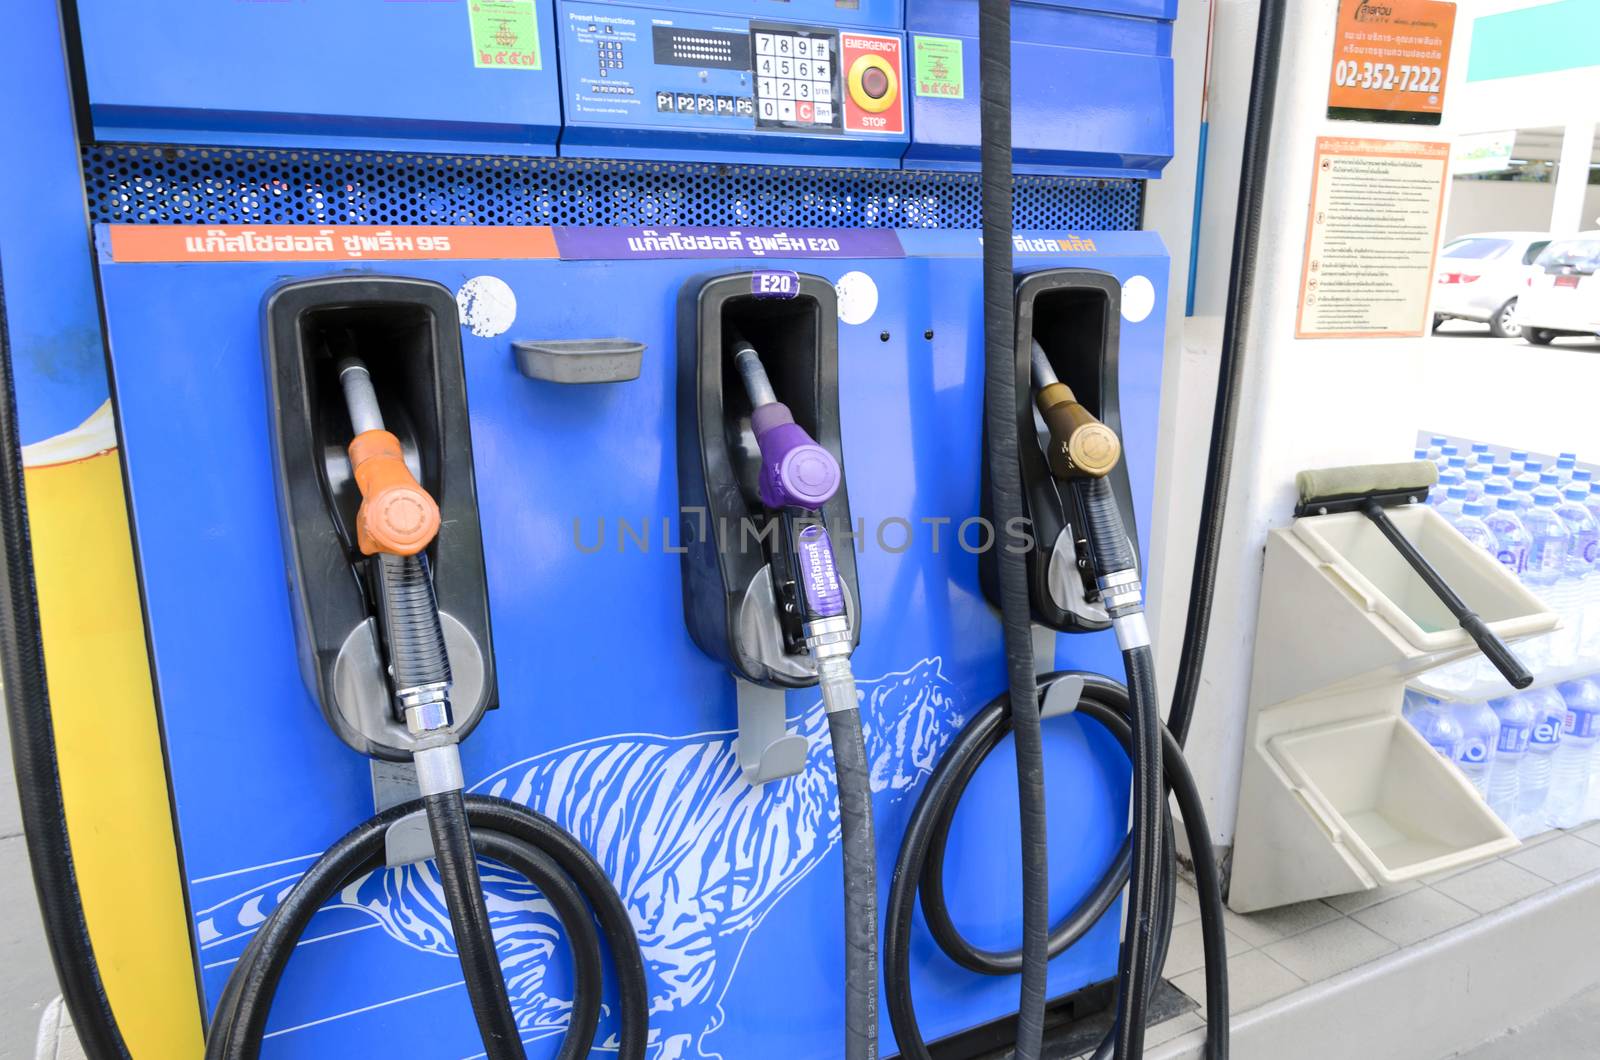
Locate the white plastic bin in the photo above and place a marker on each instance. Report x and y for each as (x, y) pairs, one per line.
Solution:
(1381, 792)
(1381, 581)
(1338, 793)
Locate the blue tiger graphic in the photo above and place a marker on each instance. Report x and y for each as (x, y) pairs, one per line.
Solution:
(698, 855)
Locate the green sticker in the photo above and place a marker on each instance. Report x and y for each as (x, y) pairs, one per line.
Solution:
(939, 67)
(505, 34)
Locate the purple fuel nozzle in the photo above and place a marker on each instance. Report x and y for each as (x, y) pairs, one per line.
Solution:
(796, 472)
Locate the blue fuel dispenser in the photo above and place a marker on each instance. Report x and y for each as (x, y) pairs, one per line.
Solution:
(502, 211)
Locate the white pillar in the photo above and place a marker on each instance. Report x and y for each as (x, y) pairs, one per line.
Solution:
(1572, 179)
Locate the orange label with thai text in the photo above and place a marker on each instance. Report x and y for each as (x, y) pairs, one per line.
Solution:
(1390, 60)
(327, 242)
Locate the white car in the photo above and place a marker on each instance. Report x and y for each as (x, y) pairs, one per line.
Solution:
(1562, 296)
(1481, 277)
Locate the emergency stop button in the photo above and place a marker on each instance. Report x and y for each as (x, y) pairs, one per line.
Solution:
(872, 65)
(873, 84)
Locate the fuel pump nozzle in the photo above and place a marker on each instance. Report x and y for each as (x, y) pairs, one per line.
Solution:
(798, 477)
(1083, 451)
(396, 522)
(1079, 443)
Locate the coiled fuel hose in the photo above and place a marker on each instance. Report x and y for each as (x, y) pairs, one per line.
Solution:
(797, 478)
(1080, 451)
(396, 523)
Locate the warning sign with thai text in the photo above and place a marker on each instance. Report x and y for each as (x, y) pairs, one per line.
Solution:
(1371, 238)
(1390, 60)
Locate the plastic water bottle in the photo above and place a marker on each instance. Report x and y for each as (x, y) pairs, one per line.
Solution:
(1532, 466)
(1454, 498)
(1479, 450)
(1546, 567)
(1408, 706)
(1517, 715)
(1550, 714)
(1566, 463)
(1518, 456)
(1477, 478)
(1589, 639)
(1574, 761)
(1420, 454)
(1499, 475)
(1582, 476)
(1510, 536)
(1472, 526)
(1523, 488)
(1480, 733)
(1548, 542)
(1442, 731)
(1577, 587)
(1550, 480)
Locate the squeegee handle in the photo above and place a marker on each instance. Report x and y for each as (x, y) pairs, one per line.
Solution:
(1488, 641)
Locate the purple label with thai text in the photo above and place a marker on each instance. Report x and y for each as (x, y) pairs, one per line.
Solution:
(819, 578)
(664, 242)
(774, 283)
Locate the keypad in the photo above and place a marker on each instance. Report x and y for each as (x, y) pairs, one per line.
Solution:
(795, 74)
(611, 56)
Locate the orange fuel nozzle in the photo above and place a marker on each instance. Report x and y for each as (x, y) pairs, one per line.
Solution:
(397, 515)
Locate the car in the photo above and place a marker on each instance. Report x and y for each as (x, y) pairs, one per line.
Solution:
(1562, 297)
(1480, 277)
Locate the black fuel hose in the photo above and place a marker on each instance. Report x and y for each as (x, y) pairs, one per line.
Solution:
(1005, 477)
(33, 746)
(1114, 564)
(469, 922)
(1230, 369)
(501, 829)
(860, 884)
(919, 868)
(1137, 969)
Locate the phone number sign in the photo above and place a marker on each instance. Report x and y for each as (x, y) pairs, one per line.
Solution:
(1391, 59)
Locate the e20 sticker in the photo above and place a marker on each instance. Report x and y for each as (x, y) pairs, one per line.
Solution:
(774, 283)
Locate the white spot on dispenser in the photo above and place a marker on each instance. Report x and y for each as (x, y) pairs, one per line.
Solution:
(488, 306)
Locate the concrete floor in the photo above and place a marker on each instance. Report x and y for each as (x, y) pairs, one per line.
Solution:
(27, 982)
(1567, 1032)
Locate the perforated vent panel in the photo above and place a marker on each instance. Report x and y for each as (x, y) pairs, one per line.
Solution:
(156, 185)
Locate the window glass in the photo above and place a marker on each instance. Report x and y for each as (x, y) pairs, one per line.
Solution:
(1477, 248)
(1571, 255)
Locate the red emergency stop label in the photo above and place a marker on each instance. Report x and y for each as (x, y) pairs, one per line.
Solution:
(874, 83)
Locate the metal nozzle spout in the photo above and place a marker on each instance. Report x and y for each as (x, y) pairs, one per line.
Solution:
(359, 396)
(1043, 372)
(754, 374)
